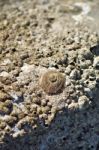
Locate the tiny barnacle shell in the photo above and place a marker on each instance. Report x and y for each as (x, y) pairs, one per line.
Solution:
(52, 81)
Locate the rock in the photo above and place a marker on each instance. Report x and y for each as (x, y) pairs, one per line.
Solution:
(63, 60)
(68, 81)
(35, 37)
(83, 102)
(75, 74)
(17, 96)
(85, 53)
(73, 106)
(68, 70)
(96, 62)
(4, 74)
(88, 92)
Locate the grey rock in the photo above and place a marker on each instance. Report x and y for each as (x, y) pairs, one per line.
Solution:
(83, 102)
(96, 62)
(75, 74)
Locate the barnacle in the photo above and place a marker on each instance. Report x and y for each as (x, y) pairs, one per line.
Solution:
(52, 81)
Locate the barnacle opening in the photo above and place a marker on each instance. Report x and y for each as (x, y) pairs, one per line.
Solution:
(53, 77)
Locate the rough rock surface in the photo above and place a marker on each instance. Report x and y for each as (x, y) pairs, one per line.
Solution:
(36, 36)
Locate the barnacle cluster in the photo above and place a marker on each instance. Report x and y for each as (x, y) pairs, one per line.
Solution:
(5, 103)
(52, 81)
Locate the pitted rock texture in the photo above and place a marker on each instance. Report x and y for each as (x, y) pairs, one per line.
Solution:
(37, 36)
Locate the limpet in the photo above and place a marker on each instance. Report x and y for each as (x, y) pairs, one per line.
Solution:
(52, 81)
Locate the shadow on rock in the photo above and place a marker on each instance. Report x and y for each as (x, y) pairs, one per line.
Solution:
(70, 130)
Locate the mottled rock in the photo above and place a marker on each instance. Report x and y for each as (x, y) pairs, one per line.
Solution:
(96, 62)
(75, 74)
(83, 102)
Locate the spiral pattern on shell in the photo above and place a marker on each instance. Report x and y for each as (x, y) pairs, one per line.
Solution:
(52, 81)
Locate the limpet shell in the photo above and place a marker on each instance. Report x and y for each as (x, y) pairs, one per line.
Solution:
(52, 82)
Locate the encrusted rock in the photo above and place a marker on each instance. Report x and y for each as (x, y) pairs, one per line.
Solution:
(83, 102)
(75, 74)
(4, 96)
(96, 62)
(5, 108)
